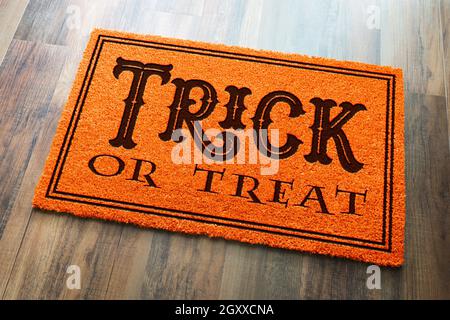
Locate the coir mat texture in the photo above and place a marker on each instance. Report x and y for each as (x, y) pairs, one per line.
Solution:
(262, 147)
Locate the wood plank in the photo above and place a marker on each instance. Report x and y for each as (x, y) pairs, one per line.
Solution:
(52, 244)
(159, 265)
(291, 26)
(187, 7)
(53, 22)
(410, 39)
(11, 11)
(445, 35)
(251, 21)
(425, 274)
(29, 72)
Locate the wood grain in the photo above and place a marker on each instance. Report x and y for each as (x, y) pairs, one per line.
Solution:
(445, 35)
(31, 72)
(410, 39)
(10, 14)
(44, 43)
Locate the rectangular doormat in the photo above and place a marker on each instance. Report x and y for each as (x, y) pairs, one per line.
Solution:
(262, 147)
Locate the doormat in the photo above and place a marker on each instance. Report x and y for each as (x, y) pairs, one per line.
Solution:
(262, 147)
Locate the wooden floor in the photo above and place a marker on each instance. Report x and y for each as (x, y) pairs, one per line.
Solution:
(41, 43)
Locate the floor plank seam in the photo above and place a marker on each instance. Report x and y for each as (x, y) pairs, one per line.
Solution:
(114, 262)
(17, 254)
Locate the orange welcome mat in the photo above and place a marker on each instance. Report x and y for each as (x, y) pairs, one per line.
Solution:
(262, 147)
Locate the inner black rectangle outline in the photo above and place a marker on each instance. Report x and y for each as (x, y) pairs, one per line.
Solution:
(235, 56)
